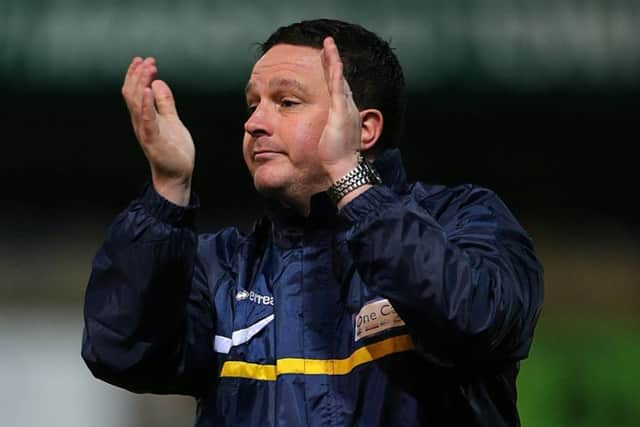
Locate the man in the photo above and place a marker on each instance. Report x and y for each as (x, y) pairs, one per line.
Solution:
(357, 300)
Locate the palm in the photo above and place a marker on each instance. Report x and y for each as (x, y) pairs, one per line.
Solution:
(340, 140)
(170, 151)
(341, 134)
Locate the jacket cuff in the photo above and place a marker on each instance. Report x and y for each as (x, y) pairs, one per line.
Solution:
(371, 202)
(164, 210)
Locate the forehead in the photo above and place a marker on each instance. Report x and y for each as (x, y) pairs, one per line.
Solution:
(302, 63)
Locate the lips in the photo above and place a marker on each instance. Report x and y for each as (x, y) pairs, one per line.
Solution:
(263, 155)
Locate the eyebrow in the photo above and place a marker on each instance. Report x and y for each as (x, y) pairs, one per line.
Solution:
(280, 84)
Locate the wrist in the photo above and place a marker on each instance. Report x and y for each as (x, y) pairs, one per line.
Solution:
(340, 168)
(175, 190)
(353, 183)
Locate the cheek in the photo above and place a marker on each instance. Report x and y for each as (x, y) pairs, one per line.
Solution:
(311, 129)
(307, 134)
(246, 153)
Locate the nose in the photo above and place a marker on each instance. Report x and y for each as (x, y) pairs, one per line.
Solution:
(259, 122)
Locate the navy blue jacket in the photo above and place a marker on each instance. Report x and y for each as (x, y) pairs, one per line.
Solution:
(412, 305)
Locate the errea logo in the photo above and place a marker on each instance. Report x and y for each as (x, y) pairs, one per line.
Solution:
(254, 297)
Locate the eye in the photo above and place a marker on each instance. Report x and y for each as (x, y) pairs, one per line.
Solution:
(288, 103)
(251, 109)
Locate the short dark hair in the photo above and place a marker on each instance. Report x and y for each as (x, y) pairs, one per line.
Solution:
(370, 67)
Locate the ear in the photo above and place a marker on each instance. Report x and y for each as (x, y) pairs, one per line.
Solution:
(372, 123)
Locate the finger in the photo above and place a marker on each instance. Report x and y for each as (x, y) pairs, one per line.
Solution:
(164, 98)
(144, 74)
(134, 88)
(336, 83)
(134, 85)
(328, 59)
(132, 66)
(133, 74)
(325, 66)
(128, 78)
(148, 74)
(148, 115)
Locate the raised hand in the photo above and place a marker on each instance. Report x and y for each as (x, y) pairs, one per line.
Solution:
(348, 131)
(340, 141)
(165, 141)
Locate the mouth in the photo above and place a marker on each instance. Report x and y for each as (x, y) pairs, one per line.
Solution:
(264, 155)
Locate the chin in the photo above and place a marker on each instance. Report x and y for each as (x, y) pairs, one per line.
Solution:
(267, 184)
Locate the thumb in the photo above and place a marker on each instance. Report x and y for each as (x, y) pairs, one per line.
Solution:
(164, 98)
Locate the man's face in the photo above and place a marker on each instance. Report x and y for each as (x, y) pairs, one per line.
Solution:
(288, 103)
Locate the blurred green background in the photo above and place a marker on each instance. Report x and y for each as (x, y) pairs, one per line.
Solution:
(538, 100)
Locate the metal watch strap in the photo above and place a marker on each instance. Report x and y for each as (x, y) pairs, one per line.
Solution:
(362, 174)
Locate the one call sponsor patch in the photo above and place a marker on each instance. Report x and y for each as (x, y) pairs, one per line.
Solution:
(375, 317)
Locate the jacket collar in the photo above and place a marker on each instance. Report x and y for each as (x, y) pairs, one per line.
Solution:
(389, 166)
(323, 212)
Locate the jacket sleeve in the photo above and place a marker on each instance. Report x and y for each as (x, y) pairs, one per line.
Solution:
(468, 285)
(149, 319)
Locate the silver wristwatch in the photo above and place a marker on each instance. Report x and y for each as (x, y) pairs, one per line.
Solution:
(362, 174)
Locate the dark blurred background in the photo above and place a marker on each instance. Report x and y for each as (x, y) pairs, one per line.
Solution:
(536, 100)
